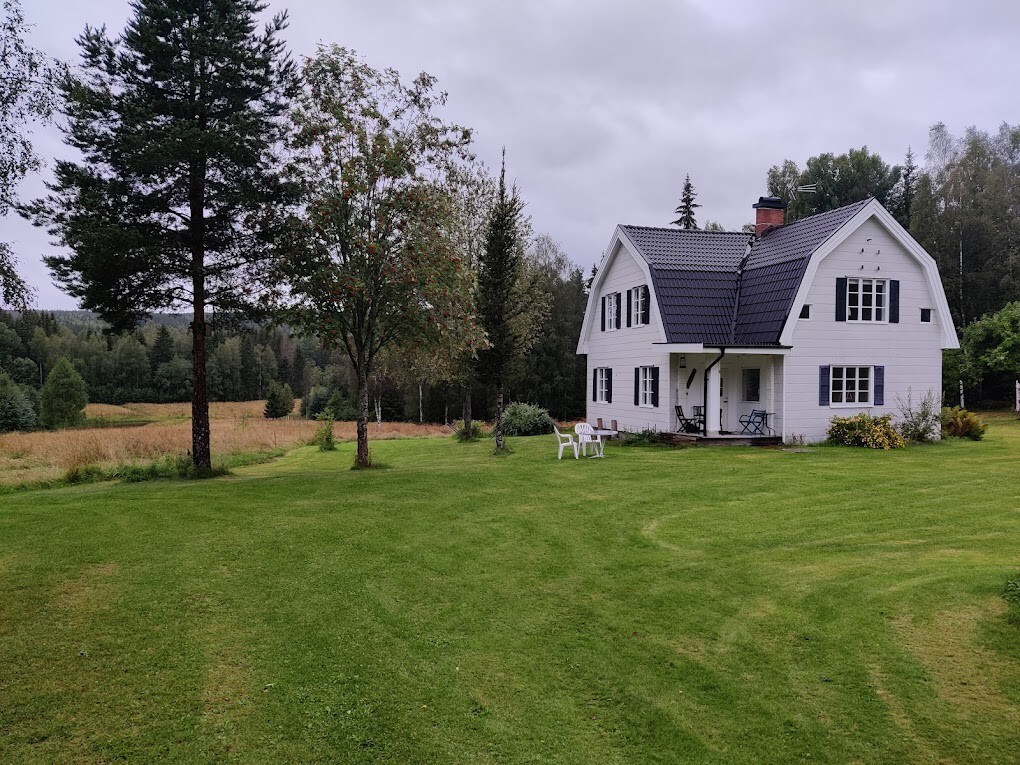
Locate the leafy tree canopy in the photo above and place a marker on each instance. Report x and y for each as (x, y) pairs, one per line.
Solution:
(372, 264)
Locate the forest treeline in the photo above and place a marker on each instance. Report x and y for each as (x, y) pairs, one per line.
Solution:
(153, 362)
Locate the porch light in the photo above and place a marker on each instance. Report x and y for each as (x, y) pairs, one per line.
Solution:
(683, 361)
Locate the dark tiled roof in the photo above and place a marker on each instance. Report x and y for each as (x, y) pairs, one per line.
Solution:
(689, 250)
(712, 290)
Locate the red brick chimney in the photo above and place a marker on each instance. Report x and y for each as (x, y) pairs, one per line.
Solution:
(769, 214)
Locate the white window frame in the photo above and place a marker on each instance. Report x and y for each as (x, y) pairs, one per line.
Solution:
(611, 325)
(929, 319)
(843, 390)
(637, 305)
(601, 385)
(743, 385)
(805, 307)
(877, 305)
(645, 387)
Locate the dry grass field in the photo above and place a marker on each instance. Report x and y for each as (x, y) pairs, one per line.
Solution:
(142, 433)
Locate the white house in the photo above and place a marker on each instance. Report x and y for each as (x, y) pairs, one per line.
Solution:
(833, 314)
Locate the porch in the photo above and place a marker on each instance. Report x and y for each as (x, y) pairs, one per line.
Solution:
(737, 401)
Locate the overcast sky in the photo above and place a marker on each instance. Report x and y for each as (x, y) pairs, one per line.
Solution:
(603, 107)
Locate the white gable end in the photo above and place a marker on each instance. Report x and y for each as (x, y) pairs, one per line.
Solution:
(856, 250)
(620, 270)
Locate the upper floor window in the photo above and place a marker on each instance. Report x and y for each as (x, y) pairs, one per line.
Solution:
(925, 315)
(866, 300)
(613, 311)
(637, 301)
(805, 311)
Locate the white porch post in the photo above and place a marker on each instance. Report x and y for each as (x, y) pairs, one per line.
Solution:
(712, 400)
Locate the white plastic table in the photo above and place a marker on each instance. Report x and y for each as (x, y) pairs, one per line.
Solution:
(600, 444)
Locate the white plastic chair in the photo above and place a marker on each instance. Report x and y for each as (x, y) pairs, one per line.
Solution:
(565, 440)
(586, 435)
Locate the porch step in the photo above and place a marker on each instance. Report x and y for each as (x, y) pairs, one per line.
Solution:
(723, 439)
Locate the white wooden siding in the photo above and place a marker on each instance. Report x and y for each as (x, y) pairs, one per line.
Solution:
(909, 350)
(624, 349)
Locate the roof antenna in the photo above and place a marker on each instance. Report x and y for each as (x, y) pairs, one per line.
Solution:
(807, 188)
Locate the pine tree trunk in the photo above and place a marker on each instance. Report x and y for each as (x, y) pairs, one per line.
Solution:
(466, 411)
(200, 450)
(421, 413)
(362, 459)
(499, 419)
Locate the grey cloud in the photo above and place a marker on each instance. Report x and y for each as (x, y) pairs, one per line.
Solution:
(603, 107)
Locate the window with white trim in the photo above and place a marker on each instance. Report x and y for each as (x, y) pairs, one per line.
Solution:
(850, 386)
(926, 316)
(866, 300)
(645, 387)
(612, 311)
(602, 385)
(637, 305)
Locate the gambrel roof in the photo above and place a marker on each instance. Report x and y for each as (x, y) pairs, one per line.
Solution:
(723, 288)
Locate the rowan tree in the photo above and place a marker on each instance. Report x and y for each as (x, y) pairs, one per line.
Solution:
(370, 264)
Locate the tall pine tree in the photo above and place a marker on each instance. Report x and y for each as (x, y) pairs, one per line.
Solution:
(178, 120)
(500, 303)
(685, 210)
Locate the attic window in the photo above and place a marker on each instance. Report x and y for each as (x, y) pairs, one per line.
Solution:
(805, 311)
(926, 316)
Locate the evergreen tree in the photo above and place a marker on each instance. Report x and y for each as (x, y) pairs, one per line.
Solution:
(63, 397)
(506, 305)
(685, 210)
(162, 349)
(16, 411)
(249, 368)
(298, 371)
(280, 402)
(179, 120)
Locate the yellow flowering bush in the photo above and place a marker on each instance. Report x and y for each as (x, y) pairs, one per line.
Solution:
(867, 431)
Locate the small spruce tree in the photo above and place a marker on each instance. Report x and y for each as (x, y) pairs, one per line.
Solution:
(280, 402)
(685, 210)
(64, 396)
(16, 411)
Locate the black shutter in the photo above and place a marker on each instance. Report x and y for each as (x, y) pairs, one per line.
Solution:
(637, 386)
(646, 312)
(603, 313)
(619, 305)
(894, 302)
(595, 385)
(879, 386)
(655, 386)
(841, 299)
(629, 311)
(823, 384)
(609, 385)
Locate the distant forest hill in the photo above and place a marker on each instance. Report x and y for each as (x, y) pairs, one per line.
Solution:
(153, 364)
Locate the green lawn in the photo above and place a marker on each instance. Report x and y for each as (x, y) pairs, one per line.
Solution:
(701, 605)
